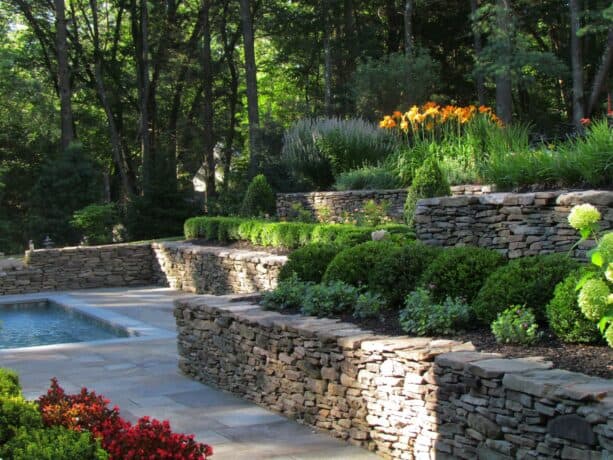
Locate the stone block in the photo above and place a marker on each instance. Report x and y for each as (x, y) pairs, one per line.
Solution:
(572, 428)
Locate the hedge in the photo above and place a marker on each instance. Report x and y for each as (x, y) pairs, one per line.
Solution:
(280, 234)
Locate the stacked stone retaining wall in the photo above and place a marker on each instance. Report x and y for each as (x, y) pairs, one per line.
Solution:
(216, 270)
(405, 398)
(515, 224)
(338, 206)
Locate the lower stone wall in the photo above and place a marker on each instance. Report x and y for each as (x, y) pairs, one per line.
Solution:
(80, 268)
(215, 270)
(405, 398)
(516, 224)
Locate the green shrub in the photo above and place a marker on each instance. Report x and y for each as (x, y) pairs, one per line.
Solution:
(309, 262)
(16, 413)
(525, 281)
(460, 272)
(259, 198)
(9, 383)
(422, 316)
(396, 273)
(429, 181)
(353, 265)
(54, 443)
(516, 325)
(314, 148)
(565, 317)
(368, 305)
(96, 222)
(280, 234)
(367, 178)
(329, 299)
(288, 295)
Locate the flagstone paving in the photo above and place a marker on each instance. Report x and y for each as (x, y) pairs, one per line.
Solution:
(141, 377)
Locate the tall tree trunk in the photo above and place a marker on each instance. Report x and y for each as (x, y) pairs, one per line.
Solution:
(394, 26)
(504, 95)
(576, 63)
(253, 112)
(207, 107)
(600, 78)
(478, 45)
(63, 73)
(327, 59)
(408, 27)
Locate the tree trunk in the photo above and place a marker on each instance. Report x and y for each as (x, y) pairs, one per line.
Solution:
(478, 45)
(577, 63)
(207, 107)
(600, 78)
(253, 112)
(63, 73)
(327, 60)
(504, 95)
(408, 27)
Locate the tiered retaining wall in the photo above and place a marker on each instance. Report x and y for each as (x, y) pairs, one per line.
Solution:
(515, 224)
(80, 268)
(216, 270)
(406, 398)
(335, 206)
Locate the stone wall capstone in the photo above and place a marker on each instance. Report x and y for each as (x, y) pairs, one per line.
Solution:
(215, 270)
(405, 398)
(515, 224)
(336, 206)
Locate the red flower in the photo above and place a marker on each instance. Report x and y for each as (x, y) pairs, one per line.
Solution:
(585, 121)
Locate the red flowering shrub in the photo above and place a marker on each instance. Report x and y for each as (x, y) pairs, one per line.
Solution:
(149, 439)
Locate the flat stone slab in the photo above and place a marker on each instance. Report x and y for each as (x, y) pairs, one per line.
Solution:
(493, 368)
(458, 360)
(543, 383)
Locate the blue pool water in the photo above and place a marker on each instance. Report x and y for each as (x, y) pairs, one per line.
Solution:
(47, 323)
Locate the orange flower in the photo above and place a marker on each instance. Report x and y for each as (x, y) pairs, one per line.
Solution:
(397, 115)
(430, 105)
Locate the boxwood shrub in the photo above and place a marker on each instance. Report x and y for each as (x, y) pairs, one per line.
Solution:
(564, 316)
(528, 281)
(309, 262)
(280, 234)
(397, 272)
(460, 272)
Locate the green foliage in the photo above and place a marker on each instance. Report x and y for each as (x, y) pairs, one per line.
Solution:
(280, 234)
(329, 299)
(96, 222)
(369, 305)
(423, 316)
(354, 265)
(66, 183)
(460, 272)
(397, 272)
(564, 315)
(368, 178)
(297, 213)
(525, 281)
(317, 149)
(17, 413)
(54, 443)
(516, 325)
(428, 182)
(9, 383)
(309, 262)
(594, 299)
(259, 200)
(394, 81)
(288, 295)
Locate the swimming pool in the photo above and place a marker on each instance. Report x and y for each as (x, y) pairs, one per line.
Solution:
(44, 322)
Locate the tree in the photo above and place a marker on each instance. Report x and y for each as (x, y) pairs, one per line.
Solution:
(576, 62)
(63, 76)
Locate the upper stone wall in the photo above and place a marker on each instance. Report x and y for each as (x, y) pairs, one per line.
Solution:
(336, 206)
(516, 224)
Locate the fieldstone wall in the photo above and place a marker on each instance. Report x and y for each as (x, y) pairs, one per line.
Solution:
(515, 224)
(215, 270)
(405, 398)
(336, 206)
(80, 268)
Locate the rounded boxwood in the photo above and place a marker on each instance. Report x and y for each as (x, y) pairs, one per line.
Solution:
(398, 272)
(526, 281)
(460, 272)
(564, 316)
(353, 265)
(259, 199)
(309, 262)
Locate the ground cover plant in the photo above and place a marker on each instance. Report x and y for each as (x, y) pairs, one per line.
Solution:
(59, 426)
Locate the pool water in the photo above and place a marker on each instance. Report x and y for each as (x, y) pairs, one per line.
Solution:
(46, 323)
